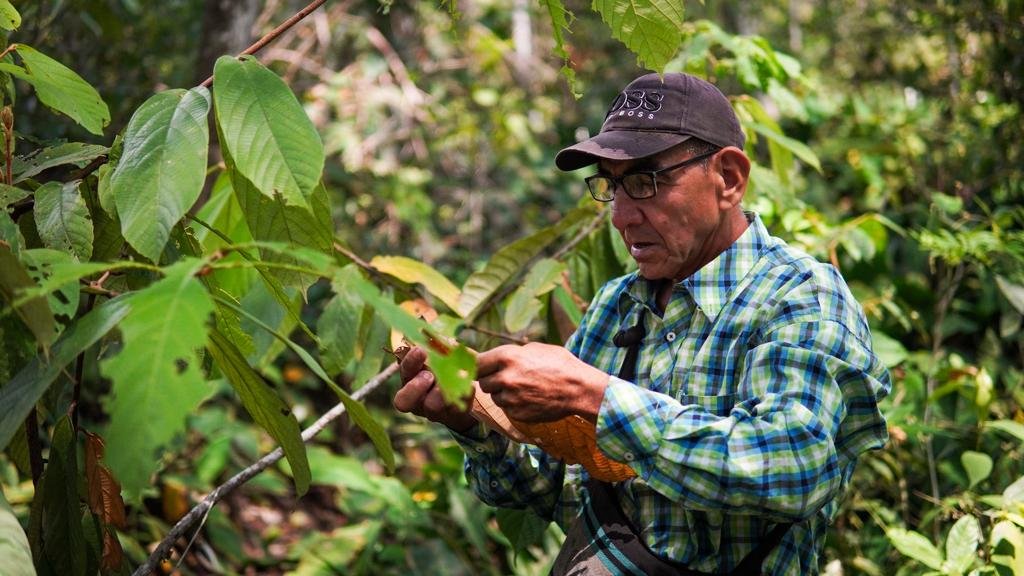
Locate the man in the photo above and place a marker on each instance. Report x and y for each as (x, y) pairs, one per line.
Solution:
(755, 387)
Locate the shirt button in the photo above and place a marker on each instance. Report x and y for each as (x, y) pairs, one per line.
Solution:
(671, 336)
(628, 456)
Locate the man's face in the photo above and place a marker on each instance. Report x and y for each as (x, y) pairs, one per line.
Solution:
(675, 233)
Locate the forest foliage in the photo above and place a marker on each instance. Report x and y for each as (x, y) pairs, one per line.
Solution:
(382, 170)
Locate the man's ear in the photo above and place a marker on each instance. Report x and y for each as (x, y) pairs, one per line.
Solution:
(734, 168)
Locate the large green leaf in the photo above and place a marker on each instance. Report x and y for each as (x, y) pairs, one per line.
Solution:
(63, 219)
(264, 405)
(266, 131)
(15, 554)
(962, 544)
(524, 304)
(455, 368)
(271, 219)
(35, 311)
(157, 380)
(9, 17)
(64, 546)
(916, 546)
(414, 271)
(19, 395)
(651, 29)
(74, 153)
(61, 88)
(161, 172)
(509, 261)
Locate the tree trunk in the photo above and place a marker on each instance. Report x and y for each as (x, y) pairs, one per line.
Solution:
(227, 29)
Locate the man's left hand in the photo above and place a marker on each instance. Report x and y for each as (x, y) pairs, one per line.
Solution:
(541, 382)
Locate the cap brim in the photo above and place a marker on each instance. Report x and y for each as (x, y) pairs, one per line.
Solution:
(616, 145)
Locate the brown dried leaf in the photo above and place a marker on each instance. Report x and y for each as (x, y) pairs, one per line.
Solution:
(113, 554)
(104, 494)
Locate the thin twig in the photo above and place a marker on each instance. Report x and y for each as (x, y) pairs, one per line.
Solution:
(273, 34)
(200, 510)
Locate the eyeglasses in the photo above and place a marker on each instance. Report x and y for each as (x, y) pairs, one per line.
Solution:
(637, 185)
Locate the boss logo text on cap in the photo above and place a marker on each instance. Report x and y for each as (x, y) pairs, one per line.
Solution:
(637, 103)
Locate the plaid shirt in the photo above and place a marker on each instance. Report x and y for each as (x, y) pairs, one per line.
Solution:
(756, 391)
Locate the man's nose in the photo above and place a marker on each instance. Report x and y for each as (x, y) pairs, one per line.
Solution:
(625, 210)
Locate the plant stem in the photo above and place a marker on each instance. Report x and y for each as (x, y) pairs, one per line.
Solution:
(35, 450)
(273, 34)
(953, 279)
(80, 365)
(199, 511)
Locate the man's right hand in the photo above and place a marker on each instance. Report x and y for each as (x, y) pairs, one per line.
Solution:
(419, 395)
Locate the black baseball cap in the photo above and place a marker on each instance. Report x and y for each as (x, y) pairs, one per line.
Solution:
(654, 113)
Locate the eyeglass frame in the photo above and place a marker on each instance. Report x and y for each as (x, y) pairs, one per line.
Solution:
(618, 181)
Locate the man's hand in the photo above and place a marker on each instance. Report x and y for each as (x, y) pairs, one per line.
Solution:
(541, 382)
(419, 394)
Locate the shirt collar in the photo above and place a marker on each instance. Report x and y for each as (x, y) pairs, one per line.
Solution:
(713, 285)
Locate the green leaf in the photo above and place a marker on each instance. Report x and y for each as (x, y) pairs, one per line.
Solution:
(523, 528)
(1010, 427)
(9, 195)
(15, 554)
(9, 17)
(63, 301)
(162, 169)
(264, 405)
(338, 328)
(19, 395)
(509, 261)
(962, 544)
(63, 219)
(889, 350)
(796, 147)
(651, 29)
(454, 370)
(75, 153)
(978, 466)
(1014, 293)
(356, 411)
(61, 88)
(267, 133)
(916, 546)
(34, 312)
(272, 220)
(523, 305)
(63, 539)
(157, 380)
(414, 271)
(560, 22)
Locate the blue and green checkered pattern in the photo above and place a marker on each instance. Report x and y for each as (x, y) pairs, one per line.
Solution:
(756, 391)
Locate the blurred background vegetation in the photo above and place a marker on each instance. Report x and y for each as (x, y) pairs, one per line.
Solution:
(440, 124)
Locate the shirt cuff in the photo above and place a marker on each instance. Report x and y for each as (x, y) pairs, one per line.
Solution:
(630, 423)
(480, 441)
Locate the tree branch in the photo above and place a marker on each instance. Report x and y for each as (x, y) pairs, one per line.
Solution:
(273, 34)
(199, 511)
